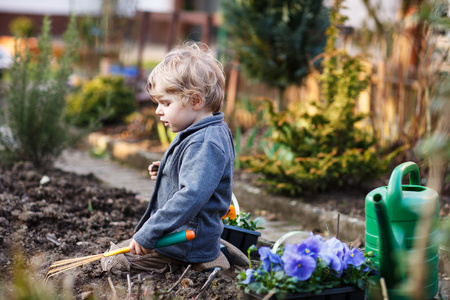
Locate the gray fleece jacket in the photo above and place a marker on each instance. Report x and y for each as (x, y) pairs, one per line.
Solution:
(192, 191)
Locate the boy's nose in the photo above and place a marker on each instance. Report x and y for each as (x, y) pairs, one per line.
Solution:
(158, 110)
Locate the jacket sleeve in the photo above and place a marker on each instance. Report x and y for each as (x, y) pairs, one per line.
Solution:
(201, 169)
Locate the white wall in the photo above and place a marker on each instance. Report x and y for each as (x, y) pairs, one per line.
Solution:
(65, 7)
(51, 7)
(357, 11)
(156, 5)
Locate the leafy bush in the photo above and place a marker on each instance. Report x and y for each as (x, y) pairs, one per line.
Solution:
(22, 27)
(31, 126)
(105, 98)
(315, 154)
(328, 148)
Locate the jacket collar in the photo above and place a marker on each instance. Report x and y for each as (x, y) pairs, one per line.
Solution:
(215, 119)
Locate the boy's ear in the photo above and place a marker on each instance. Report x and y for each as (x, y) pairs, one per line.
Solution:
(196, 102)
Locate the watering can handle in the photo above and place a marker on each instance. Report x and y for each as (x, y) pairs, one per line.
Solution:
(394, 191)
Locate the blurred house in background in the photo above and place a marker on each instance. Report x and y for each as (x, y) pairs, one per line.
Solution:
(167, 19)
(141, 31)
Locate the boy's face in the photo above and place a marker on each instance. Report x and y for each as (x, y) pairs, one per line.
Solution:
(175, 115)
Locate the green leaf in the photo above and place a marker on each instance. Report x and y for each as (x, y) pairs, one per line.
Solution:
(322, 264)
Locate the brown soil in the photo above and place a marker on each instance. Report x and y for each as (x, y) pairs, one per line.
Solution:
(74, 216)
(53, 221)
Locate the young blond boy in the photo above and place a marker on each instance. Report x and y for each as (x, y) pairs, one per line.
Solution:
(193, 182)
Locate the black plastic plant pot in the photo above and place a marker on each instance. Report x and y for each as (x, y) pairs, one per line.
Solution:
(239, 237)
(345, 293)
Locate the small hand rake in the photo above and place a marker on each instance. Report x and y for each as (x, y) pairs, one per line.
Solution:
(68, 264)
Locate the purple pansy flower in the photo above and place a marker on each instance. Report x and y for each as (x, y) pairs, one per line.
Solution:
(292, 248)
(354, 257)
(318, 237)
(249, 276)
(331, 259)
(297, 265)
(310, 247)
(270, 260)
(336, 246)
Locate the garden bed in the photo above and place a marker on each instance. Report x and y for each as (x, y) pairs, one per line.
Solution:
(74, 216)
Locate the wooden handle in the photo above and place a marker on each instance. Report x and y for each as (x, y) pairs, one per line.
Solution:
(117, 251)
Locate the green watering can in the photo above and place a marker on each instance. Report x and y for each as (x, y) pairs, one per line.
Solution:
(393, 214)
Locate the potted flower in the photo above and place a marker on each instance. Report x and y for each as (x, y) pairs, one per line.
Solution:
(239, 230)
(312, 269)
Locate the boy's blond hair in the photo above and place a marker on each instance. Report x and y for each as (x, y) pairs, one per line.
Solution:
(190, 69)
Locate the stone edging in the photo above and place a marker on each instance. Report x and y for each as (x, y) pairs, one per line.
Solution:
(310, 216)
(292, 210)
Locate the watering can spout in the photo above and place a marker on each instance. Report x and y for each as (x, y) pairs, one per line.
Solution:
(389, 244)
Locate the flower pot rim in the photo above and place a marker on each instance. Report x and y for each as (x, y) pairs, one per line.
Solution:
(253, 232)
(332, 291)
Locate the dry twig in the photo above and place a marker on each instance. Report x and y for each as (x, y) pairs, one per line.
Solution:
(114, 291)
(179, 280)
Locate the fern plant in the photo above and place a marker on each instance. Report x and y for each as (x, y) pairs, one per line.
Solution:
(32, 125)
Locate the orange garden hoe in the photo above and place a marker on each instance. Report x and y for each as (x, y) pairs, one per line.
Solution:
(68, 264)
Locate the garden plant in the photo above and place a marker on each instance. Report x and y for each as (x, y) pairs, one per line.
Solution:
(104, 99)
(313, 266)
(283, 55)
(242, 220)
(32, 126)
(329, 146)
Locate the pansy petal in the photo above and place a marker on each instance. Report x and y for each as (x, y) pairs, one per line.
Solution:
(294, 248)
(310, 247)
(270, 260)
(354, 257)
(249, 276)
(300, 266)
(332, 259)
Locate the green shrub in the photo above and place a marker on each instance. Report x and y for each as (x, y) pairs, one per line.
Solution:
(309, 153)
(22, 27)
(31, 126)
(105, 98)
(276, 41)
(329, 148)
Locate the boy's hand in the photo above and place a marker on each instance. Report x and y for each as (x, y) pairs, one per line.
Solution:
(137, 249)
(153, 169)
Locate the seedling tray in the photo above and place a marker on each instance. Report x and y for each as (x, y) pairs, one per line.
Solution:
(239, 237)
